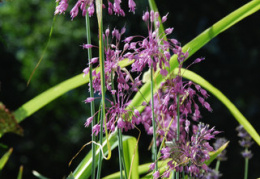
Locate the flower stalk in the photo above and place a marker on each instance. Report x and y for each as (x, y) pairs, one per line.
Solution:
(154, 149)
(92, 104)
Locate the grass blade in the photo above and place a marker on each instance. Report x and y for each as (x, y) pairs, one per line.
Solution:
(5, 158)
(20, 174)
(130, 151)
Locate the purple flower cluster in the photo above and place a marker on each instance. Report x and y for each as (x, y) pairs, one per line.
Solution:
(87, 6)
(191, 150)
(246, 142)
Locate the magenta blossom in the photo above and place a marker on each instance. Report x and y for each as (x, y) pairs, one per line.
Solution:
(87, 6)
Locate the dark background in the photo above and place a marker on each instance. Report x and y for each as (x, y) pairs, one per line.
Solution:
(53, 135)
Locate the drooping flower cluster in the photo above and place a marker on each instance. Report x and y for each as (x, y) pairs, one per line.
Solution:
(87, 6)
(116, 115)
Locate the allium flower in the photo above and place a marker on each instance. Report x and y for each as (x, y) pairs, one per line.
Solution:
(165, 108)
(87, 6)
(118, 81)
(189, 153)
(153, 50)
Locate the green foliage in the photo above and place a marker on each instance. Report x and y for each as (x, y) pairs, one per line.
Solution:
(20, 174)
(131, 157)
(83, 170)
(5, 158)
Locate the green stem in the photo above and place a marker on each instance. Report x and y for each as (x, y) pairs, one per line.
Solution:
(100, 157)
(120, 141)
(178, 125)
(154, 151)
(92, 104)
(122, 159)
(119, 154)
(217, 165)
(178, 118)
(246, 167)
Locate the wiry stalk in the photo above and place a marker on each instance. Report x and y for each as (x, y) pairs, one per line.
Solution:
(120, 142)
(154, 149)
(246, 167)
(178, 125)
(100, 157)
(92, 104)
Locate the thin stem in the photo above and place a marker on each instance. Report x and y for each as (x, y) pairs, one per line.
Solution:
(217, 165)
(120, 141)
(246, 167)
(178, 117)
(122, 158)
(154, 151)
(100, 157)
(178, 125)
(92, 104)
(119, 154)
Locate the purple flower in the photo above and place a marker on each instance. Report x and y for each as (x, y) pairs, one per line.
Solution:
(219, 142)
(62, 7)
(87, 6)
(131, 5)
(190, 152)
(246, 141)
(156, 175)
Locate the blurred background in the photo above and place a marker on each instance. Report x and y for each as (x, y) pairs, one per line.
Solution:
(53, 135)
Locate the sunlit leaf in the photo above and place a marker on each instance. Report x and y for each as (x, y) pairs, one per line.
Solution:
(213, 155)
(20, 174)
(221, 97)
(130, 151)
(5, 158)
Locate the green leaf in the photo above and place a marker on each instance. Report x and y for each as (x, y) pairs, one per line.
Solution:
(131, 154)
(213, 155)
(83, 170)
(20, 174)
(51, 94)
(5, 158)
(219, 95)
(142, 169)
